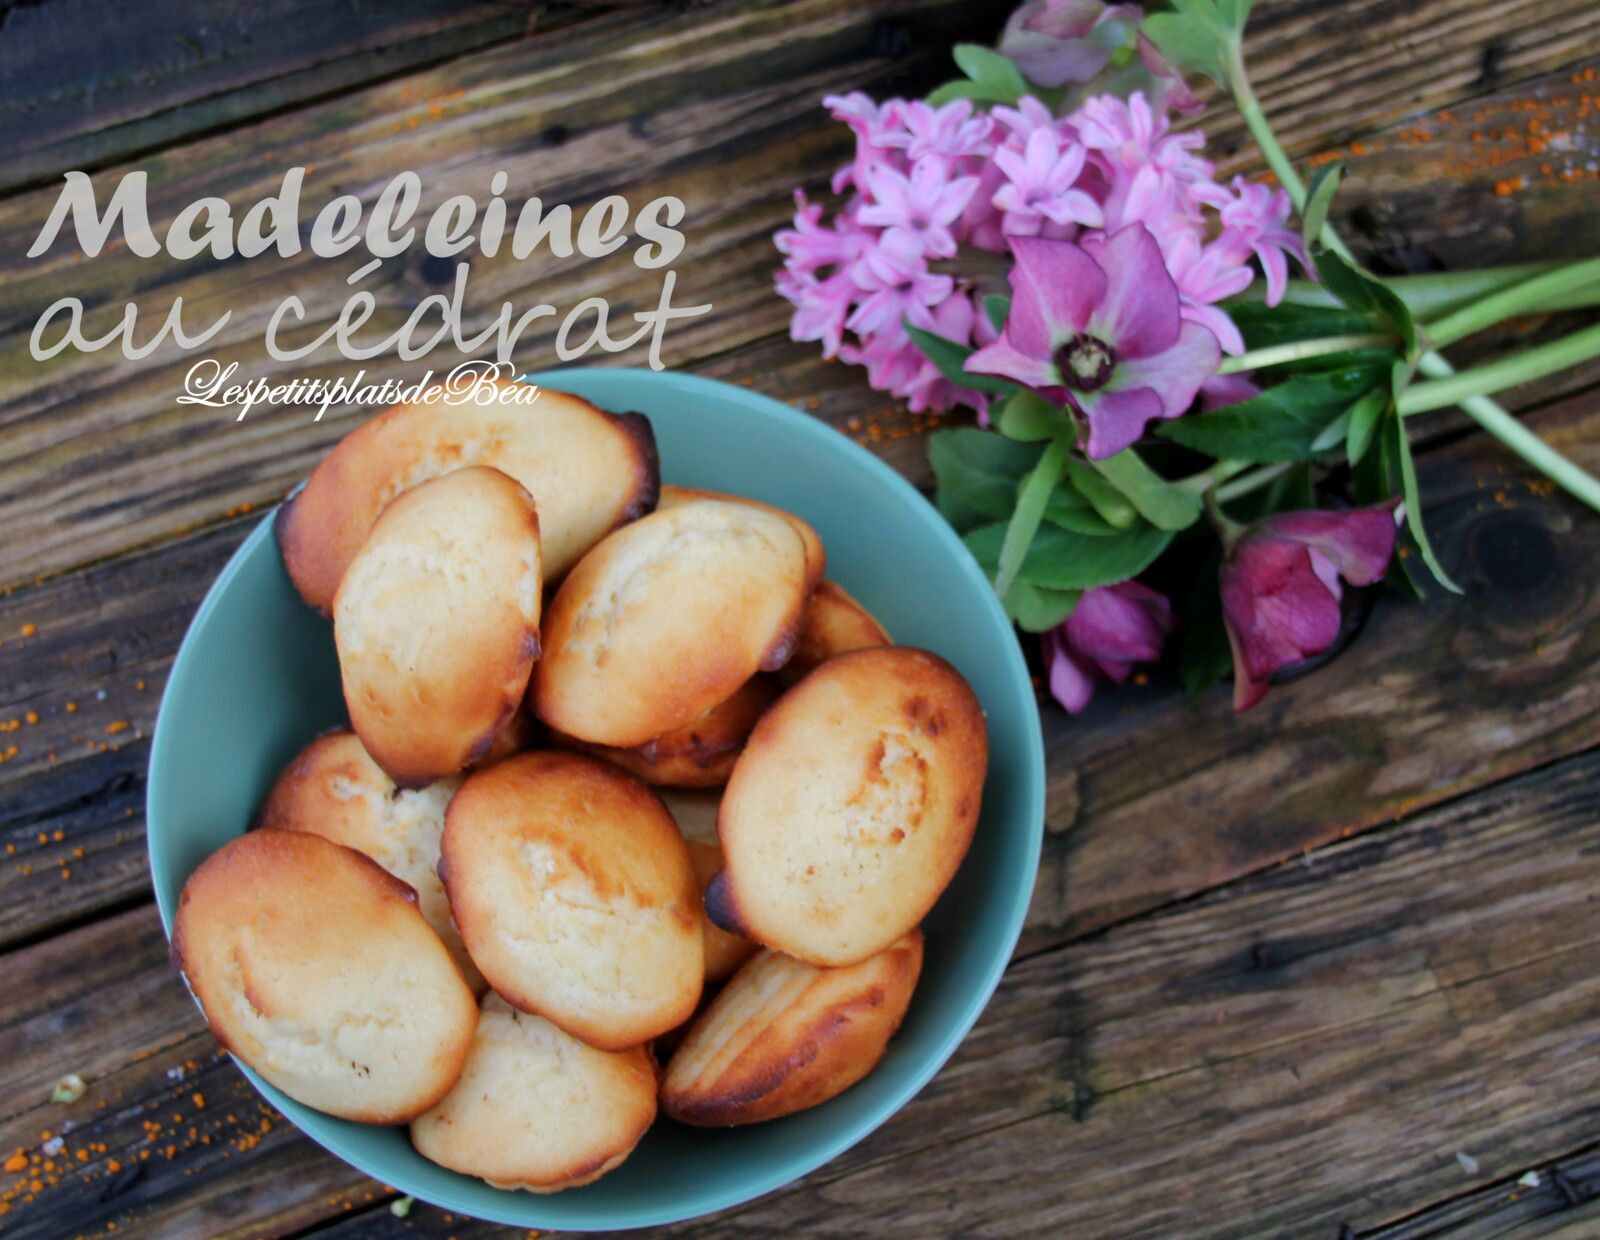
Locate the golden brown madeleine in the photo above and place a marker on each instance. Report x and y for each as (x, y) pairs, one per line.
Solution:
(588, 471)
(334, 789)
(575, 896)
(784, 1035)
(667, 618)
(832, 623)
(851, 806)
(437, 623)
(724, 952)
(314, 967)
(520, 734)
(673, 496)
(536, 1108)
(700, 754)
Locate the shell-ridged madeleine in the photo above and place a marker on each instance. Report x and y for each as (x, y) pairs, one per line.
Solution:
(851, 806)
(784, 1035)
(667, 618)
(699, 754)
(674, 496)
(334, 789)
(537, 1109)
(314, 967)
(437, 623)
(588, 471)
(832, 623)
(575, 896)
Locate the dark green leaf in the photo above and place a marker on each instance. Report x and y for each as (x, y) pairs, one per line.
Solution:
(1362, 292)
(1334, 432)
(948, 356)
(1037, 609)
(1281, 424)
(1264, 326)
(996, 306)
(1319, 196)
(1071, 511)
(1061, 560)
(1104, 498)
(1027, 416)
(1162, 503)
(977, 473)
(1189, 43)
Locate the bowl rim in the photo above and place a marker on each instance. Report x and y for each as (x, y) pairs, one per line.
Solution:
(791, 1167)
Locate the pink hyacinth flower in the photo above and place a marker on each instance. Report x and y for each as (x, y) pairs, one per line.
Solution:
(1111, 629)
(1101, 327)
(921, 207)
(1039, 186)
(1281, 587)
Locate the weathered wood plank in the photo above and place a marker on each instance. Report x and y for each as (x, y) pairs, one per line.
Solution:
(75, 99)
(1562, 1200)
(718, 107)
(1329, 1033)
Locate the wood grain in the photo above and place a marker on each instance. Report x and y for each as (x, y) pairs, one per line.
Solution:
(76, 98)
(1562, 1200)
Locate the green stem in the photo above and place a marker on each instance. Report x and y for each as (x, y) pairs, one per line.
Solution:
(1502, 373)
(1437, 293)
(1253, 481)
(1492, 418)
(1298, 350)
(1485, 412)
(1203, 481)
(1517, 299)
(1031, 501)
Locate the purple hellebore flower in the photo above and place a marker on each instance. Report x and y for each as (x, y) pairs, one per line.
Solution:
(1281, 590)
(1053, 41)
(1111, 628)
(1101, 327)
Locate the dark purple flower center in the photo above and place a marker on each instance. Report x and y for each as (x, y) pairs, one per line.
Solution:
(1086, 363)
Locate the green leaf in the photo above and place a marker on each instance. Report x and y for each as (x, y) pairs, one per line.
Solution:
(1362, 292)
(1029, 513)
(1104, 498)
(1282, 424)
(1334, 432)
(997, 306)
(1164, 505)
(1413, 501)
(1029, 417)
(1264, 326)
(1068, 509)
(1061, 560)
(1364, 417)
(993, 73)
(1037, 609)
(977, 474)
(949, 356)
(1319, 196)
(1190, 43)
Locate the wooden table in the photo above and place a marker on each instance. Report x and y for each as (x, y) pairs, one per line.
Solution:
(1329, 969)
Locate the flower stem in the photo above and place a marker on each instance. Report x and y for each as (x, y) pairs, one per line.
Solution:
(1517, 299)
(1296, 351)
(1029, 512)
(1485, 412)
(1203, 481)
(1503, 373)
(1253, 481)
(1437, 293)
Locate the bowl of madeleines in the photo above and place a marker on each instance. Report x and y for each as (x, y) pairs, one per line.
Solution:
(595, 801)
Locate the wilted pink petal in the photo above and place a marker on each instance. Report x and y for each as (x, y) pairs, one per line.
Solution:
(1280, 587)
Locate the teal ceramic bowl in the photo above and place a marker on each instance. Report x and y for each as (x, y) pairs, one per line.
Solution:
(256, 678)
